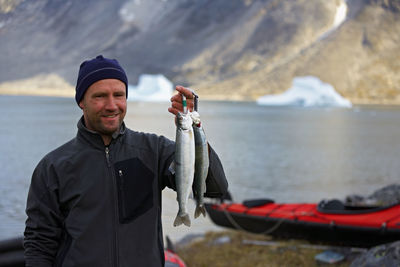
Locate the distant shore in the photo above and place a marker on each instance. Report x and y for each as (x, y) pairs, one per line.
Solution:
(40, 85)
(55, 86)
(71, 94)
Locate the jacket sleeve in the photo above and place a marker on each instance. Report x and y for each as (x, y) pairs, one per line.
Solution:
(216, 183)
(43, 225)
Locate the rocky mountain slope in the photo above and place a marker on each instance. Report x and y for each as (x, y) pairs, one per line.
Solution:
(237, 49)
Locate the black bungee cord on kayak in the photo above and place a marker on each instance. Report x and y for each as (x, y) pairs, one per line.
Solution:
(238, 227)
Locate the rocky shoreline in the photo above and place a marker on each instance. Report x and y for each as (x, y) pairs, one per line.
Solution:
(238, 248)
(235, 248)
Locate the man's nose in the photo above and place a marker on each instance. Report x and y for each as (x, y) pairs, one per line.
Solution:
(111, 103)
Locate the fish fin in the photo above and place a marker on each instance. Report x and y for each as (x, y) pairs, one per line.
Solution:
(184, 218)
(200, 210)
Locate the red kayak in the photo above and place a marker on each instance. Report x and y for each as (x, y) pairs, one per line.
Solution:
(328, 221)
(172, 259)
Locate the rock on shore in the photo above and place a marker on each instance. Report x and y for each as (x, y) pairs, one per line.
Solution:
(386, 196)
(383, 255)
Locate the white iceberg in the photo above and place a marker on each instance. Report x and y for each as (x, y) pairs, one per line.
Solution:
(151, 88)
(307, 91)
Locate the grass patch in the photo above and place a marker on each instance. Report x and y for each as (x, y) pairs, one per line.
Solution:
(233, 249)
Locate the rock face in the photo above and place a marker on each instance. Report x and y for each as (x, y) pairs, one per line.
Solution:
(383, 255)
(237, 49)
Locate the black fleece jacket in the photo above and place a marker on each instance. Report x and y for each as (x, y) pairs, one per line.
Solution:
(96, 205)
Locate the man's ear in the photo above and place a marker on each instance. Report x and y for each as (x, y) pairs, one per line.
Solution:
(81, 104)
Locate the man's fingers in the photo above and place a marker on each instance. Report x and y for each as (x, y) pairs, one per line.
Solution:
(188, 93)
(177, 105)
(175, 108)
(176, 100)
(173, 111)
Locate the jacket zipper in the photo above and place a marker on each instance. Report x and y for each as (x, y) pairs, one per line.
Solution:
(108, 156)
(113, 189)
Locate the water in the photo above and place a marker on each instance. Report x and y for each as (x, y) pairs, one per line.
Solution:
(287, 154)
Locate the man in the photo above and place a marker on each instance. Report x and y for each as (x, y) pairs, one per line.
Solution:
(96, 200)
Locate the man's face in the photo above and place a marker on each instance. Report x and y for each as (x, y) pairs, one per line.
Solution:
(104, 106)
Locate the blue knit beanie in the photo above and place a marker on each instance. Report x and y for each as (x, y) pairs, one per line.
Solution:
(96, 69)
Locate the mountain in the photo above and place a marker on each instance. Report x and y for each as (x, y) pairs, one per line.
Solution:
(236, 49)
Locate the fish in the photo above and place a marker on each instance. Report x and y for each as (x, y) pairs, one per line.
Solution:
(184, 165)
(201, 164)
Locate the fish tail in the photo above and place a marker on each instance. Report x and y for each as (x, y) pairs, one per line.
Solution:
(183, 218)
(200, 209)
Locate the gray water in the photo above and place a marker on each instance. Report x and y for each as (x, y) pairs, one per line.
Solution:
(288, 154)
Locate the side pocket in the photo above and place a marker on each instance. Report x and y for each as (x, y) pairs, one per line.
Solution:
(135, 189)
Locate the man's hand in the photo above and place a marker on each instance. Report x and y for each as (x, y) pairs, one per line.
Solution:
(176, 100)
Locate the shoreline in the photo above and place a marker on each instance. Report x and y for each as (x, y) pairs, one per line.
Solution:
(53, 85)
(233, 248)
(216, 98)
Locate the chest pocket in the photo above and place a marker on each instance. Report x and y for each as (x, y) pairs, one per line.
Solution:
(135, 189)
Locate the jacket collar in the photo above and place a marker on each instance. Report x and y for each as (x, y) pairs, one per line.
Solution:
(93, 137)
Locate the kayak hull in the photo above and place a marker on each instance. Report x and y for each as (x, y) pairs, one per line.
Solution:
(304, 221)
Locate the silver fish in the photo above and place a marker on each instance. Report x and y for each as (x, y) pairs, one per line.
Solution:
(184, 165)
(201, 164)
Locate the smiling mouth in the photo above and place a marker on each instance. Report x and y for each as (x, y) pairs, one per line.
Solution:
(110, 116)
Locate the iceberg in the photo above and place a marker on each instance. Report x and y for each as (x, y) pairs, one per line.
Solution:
(151, 88)
(307, 91)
